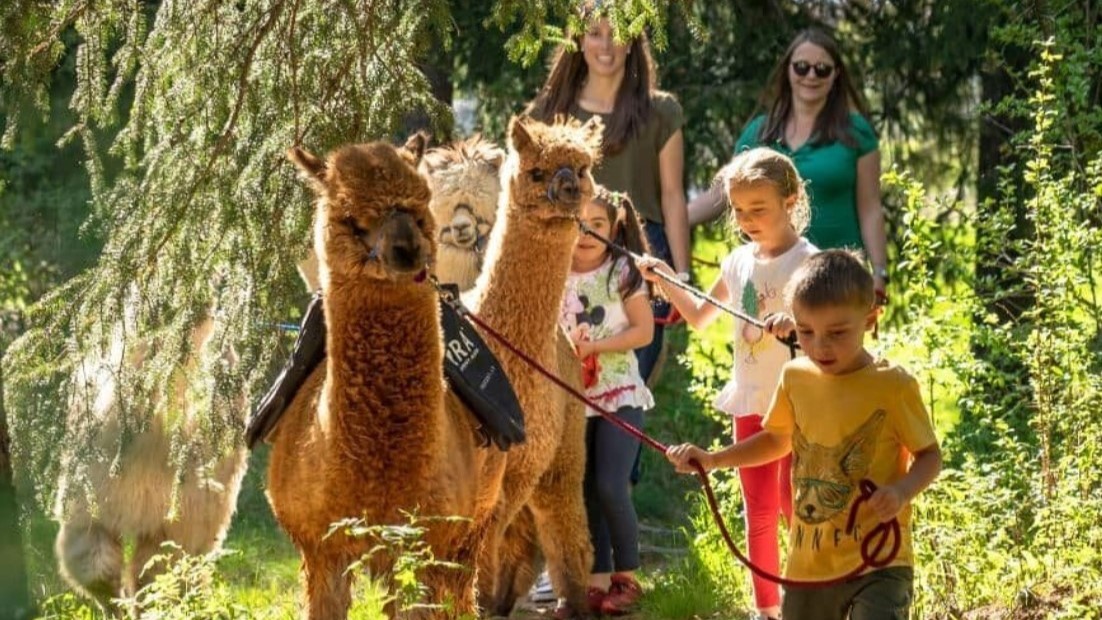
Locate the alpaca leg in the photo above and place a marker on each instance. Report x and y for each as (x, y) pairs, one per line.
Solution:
(558, 505)
(519, 555)
(328, 587)
(145, 548)
(491, 560)
(564, 538)
(90, 558)
(452, 591)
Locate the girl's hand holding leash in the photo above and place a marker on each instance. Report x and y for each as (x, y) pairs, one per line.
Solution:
(649, 266)
(585, 348)
(780, 325)
(682, 455)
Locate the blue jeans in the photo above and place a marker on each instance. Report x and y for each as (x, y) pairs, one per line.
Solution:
(659, 247)
(648, 355)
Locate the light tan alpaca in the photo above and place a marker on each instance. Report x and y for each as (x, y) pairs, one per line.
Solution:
(133, 496)
(465, 179)
(368, 435)
(519, 293)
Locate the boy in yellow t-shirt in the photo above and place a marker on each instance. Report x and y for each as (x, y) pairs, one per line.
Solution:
(846, 417)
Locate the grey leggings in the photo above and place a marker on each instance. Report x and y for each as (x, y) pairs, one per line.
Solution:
(613, 525)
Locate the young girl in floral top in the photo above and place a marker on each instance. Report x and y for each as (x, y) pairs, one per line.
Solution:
(606, 312)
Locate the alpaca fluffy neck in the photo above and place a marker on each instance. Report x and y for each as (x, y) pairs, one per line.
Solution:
(384, 385)
(527, 264)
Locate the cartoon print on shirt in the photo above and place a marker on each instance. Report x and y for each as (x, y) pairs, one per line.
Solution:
(581, 318)
(825, 478)
(753, 301)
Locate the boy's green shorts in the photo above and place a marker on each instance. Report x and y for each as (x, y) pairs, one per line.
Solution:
(883, 594)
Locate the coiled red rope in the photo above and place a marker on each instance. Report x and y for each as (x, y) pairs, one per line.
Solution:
(872, 545)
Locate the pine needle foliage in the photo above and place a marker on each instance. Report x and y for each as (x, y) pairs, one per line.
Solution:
(194, 104)
(184, 111)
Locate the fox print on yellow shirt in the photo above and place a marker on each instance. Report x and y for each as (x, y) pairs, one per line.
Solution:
(823, 484)
(844, 428)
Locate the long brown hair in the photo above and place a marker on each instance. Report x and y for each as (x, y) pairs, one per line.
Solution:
(567, 74)
(833, 123)
(627, 232)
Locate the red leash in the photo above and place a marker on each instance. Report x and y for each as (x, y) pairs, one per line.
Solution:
(871, 546)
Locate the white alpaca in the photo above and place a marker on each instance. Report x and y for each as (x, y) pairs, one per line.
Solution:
(132, 497)
(465, 179)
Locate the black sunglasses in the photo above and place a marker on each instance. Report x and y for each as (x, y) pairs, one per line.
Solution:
(803, 67)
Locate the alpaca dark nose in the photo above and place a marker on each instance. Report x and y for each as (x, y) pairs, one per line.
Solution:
(564, 187)
(406, 248)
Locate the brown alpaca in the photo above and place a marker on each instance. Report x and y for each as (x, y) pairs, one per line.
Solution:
(368, 435)
(465, 179)
(519, 294)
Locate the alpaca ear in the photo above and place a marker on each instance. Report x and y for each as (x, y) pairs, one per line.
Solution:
(519, 138)
(496, 159)
(594, 130)
(433, 160)
(312, 166)
(415, 147)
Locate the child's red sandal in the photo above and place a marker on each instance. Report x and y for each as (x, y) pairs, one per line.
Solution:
(622, 596)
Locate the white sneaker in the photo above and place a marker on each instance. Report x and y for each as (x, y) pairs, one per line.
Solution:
(542, 592)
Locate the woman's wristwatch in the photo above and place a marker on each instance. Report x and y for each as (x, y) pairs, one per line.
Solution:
(881, 272)
(685, 277)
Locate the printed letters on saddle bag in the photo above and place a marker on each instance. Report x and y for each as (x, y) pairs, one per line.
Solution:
(476, 376)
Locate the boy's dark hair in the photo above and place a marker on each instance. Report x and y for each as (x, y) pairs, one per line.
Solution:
(831, 278)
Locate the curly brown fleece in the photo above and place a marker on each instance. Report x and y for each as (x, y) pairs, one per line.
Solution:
(368, 434)
(519, 293)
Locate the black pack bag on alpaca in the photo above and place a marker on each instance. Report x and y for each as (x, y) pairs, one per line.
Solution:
(476, 376)
(470, 367)
(309, 350)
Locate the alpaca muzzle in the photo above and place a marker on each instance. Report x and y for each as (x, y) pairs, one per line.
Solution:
(564, 187)
(404, 249)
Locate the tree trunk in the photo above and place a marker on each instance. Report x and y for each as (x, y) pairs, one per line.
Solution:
(14, 599)
(998, 283)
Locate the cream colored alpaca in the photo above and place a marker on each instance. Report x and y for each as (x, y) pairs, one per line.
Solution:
(465, 179)
(133, 496)
(519, 293)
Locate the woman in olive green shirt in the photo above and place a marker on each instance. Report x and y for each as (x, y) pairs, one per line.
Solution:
(815, 115)
(643, 149)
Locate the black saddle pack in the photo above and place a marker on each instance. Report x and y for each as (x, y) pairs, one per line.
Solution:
(476, 377)
(470, 367)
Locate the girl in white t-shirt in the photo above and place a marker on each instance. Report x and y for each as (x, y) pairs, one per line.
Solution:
(606, 312)
(770, 207)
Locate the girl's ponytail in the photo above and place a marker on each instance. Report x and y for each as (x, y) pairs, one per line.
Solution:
(628, 233)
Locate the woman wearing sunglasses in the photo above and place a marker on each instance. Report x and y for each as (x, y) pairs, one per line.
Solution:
(814, 114)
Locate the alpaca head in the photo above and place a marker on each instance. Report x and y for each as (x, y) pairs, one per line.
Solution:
(551, 165)
(373, 218)
(465, 180)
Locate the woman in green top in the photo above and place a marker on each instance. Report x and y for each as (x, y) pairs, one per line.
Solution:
(643, 150)
(816, 116)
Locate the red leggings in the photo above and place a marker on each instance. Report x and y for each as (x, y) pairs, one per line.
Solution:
(767, 493)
